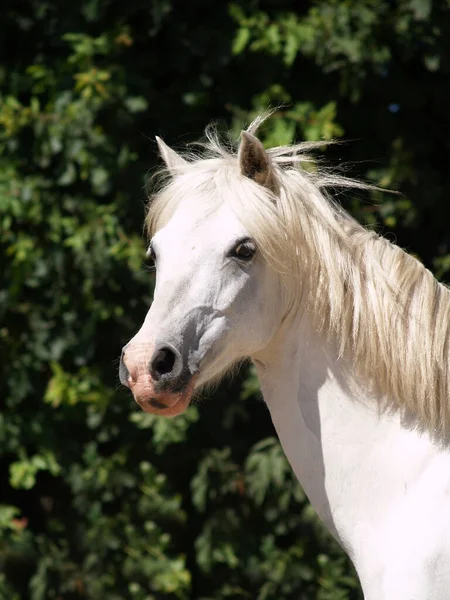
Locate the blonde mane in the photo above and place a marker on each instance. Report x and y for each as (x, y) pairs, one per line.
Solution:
(385, 311)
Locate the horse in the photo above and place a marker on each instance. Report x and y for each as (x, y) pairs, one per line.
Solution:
(349, 335)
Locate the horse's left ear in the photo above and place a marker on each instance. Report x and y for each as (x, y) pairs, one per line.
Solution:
(255, 162)
(169, 156)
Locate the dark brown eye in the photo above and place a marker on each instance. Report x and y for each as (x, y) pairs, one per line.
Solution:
(151, 255)
(245, 250)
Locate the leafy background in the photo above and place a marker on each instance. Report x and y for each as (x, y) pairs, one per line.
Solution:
(99, 501)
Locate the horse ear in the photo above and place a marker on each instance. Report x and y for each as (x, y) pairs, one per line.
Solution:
(169, 156)
(255, 162)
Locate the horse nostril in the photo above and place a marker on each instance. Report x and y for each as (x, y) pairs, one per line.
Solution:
(165, 361)
(124, 374)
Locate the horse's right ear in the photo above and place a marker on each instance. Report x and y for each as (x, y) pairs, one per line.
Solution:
(169, 156)
(255, 163)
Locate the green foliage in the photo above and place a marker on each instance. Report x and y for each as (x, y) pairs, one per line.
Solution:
(165, 431)
(100, 500)
(22, 473)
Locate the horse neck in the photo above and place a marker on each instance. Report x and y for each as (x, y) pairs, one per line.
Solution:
(352, 459)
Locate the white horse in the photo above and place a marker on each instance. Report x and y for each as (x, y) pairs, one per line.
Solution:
(348, 333)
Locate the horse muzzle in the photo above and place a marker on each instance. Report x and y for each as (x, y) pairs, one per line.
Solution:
(160, 381)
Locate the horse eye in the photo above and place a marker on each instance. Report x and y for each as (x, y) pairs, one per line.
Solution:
(245, 250)
(151, 254)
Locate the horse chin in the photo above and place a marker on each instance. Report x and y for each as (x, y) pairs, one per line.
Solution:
(181, 404)
(165, 404)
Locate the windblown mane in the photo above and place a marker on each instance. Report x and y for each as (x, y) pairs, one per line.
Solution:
(385, 311)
